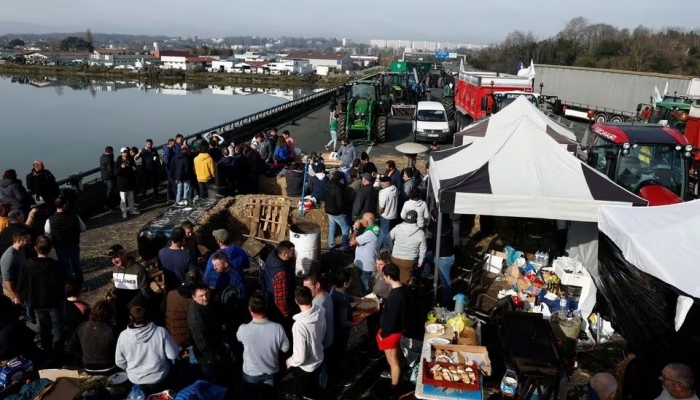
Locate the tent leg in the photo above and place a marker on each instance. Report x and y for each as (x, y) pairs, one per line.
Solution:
(437, 258)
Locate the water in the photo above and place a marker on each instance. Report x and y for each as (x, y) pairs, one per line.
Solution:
(67, 124)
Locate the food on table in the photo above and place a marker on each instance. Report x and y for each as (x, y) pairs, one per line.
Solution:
(453, 373)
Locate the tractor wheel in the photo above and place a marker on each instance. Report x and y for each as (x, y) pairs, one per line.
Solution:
(342, 131)
(449, 103)
(600, 118)
(382, 128)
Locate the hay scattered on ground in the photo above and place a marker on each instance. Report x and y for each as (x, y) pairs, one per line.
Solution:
(276, 185)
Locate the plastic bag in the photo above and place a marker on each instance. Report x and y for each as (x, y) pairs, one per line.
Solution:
(512, 255)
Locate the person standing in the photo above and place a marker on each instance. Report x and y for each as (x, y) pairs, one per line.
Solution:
(367, 166)
(342, 319)
(12, 262)
(392, 322)
(323, 299)
(41, 283)
(333, 127)
(175, 260)
(367, 246)
(125, 170)
(409, 183)
(408, 246)
(281, 155)
(336, 207)
(181, 173)
(107, 174)
(388, 205)
(168, 155)
(207, 333)
(177, 306)
(291, 145)
(145, 351)
(204, 169)
(394, 174)
(346, 152)
(263, 342)
(42, 183)
(294, 177)
(12, 191)
(354, 181)
(419, 206)
(279, 282)
(150, 169)
(237, 257)
(226, 277)
(366, 198)
(130, 281)
(315, 185)
(64, 229)
(17, 223)
(307, 343)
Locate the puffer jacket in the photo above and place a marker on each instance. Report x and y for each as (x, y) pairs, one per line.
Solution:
(43, 184)
(125, 170)
(107, 167)
(14, 193)
(409, 242)
(177, 305)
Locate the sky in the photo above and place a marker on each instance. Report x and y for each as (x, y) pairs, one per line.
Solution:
(450, 20)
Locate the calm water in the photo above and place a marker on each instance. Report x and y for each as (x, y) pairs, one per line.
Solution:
(68, 124)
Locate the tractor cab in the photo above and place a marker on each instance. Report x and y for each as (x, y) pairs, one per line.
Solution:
(364, 111)
(650, 160)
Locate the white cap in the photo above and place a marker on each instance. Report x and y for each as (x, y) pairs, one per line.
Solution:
(124, 149)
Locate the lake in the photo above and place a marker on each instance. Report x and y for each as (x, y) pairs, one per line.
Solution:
(67, 123)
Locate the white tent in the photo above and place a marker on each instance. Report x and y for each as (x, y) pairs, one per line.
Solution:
(518, 108)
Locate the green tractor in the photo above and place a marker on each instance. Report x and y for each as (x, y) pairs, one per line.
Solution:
(363, 110)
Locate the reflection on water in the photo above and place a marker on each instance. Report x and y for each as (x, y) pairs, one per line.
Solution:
(176, 89)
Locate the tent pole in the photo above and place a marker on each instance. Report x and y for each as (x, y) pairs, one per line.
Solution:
(437, 257)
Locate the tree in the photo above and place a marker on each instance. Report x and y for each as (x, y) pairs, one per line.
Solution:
(88, 36)
(74, 43)
(15, 43)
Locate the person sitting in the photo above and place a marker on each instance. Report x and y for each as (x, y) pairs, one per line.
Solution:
(677, 381)
(294, 177)
(316, 184)
(281, 155)
(16, 339)
(145, 351)
(95, 340)
(601, 387)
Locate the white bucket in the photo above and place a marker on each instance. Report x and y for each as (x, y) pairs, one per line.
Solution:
(307, 245)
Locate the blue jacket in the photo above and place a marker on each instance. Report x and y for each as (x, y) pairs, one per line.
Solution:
(238, 259)
(168, 155)
(281, 153)
(318, 186)
(202, 390)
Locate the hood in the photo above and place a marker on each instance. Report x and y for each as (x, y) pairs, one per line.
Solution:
(6, 182)
(418, 203)
(185, 290)
(204, 156)
(432, 125)
(141, 334)
(309, 316)
(391, 189)
(43, 266)
(409, 229)
(227, 160)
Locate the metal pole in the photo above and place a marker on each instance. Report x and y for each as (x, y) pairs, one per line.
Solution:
(303, 187)
(437, 256)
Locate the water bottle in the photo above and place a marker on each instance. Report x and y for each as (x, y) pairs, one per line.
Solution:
(546, 259)
(509, 384)
(538, 257)
(562, 306)
(136, 393)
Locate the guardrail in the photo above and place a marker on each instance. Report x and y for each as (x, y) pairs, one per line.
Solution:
(581, 131)
(252, 123)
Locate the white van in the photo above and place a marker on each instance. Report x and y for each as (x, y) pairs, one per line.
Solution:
(430, 122)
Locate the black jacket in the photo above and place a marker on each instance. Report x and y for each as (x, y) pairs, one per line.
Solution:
(295, 182)
(14, 193)
(150, 161)
(181, 168)
(366, 200)
(334, 198)
(42, 282)
(125, 170)
(107, 167)
(207, 332)
(317, 186)
(43, 183)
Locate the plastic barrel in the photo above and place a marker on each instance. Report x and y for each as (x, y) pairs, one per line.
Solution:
(306, 237)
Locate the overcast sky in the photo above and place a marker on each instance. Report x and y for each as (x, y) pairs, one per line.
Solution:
(449, 20)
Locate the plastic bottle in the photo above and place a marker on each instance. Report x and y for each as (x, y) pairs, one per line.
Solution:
(136, 393)
(562, 306)
(509, 384)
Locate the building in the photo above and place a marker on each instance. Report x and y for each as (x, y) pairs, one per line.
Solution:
(255, 56)
(122, 60)
(113, 52)
(337, 61)
(364, 61)
(169, 53)
(57, 57)
(251, 67)
(295, 67)
(347, 42)
(7, 53)
(186, 62)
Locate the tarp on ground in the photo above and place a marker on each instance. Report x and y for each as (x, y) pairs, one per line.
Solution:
(520, 171)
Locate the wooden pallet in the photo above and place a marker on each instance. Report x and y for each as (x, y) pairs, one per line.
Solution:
(268, 220)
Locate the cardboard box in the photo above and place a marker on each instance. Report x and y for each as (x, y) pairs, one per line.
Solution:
(514, 272)
(64, 390)
(467, 354)
(493, 262)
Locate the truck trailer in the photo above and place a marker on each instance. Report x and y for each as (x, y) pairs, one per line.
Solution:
(611, 95)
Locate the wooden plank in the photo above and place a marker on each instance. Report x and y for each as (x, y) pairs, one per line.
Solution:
(282, 234)
(254, 224)
(266, 216)
(261, 239)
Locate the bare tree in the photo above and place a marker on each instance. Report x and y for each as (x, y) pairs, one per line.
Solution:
(88, 36)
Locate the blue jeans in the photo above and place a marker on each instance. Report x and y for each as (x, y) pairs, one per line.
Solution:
(70, 259)
(182, 191)
(444, 272)
(384, 238)
(344, 228)
(364, 280)
(50, 328)
(203, 190)
(110, 192)
(260, 386)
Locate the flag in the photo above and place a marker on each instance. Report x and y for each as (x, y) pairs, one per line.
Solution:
(657, 97)
(520, 65)
(666, 89)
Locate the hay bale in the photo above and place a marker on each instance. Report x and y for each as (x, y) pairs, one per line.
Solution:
(400, 160)
(275, 186)
(212, 219)
(315, 216)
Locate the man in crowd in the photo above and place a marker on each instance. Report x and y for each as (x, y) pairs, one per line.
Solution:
(392, 322)
(279, 281)
(177, 306)
(175, 260)
(107, 174)
(42, 183)
(17, 224)
(204, 170)
(322, 299)
(307, 343)
(206, 328)
(388, 208)
(354, 182)
(42, 283)
(294, 177)
(336, 207)
(263, 342)
(316, 184)
(366, 198)
(181, 173)
(241, 170)
(64, 228)
(342, 320)
(408, 184)
(602, 386)
(290, 142)
(346, 152)
(12, 262)
(223, 276)
(237, 257)
(394, 174)
(168, 155)
(677, 381)
(150, 169)
(145, 351)
(367, 245)
(408, 246)
(367, 166)
(130, 281)
(179, 142)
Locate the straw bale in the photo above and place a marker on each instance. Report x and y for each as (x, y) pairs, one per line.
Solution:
(212, 219)
(400, 160)
(276, 185)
